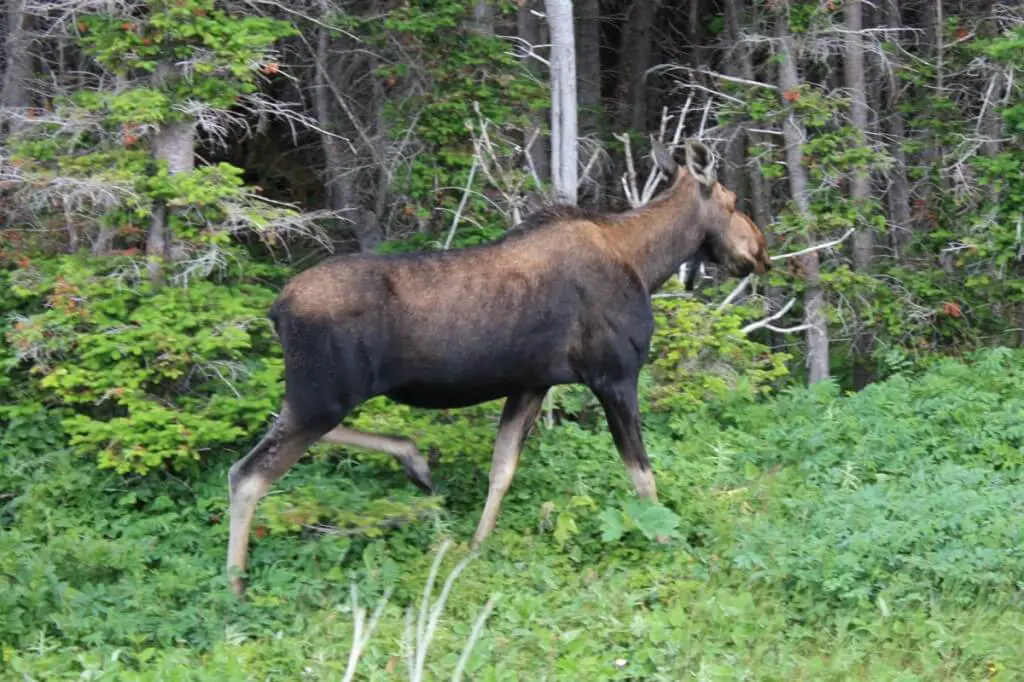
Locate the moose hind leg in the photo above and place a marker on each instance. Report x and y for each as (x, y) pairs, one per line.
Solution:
(517, 418)
(405, 451)
(251, 476)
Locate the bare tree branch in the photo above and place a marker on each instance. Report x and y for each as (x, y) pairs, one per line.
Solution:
(768, 320)
(462, 202)
(816, 247)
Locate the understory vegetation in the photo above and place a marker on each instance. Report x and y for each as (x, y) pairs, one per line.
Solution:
(813, 536)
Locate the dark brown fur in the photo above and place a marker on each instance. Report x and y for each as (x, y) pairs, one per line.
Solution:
(563, 298)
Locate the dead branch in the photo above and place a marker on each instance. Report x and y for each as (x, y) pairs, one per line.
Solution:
(462, 202)
(79, 195)
(597, 153)
(523, 49)
(629, 179)
(735, 293)
(690, 83)
(768, 320)
(286, 8)
(743, 283)
(729, 79)
(257, 105)
(816, 247)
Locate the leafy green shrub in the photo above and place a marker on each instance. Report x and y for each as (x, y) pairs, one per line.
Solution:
(153, 378)
(950, 530)
(700, 355)
(107, 139)
(906, 491)
(964, 413)
(650, 519)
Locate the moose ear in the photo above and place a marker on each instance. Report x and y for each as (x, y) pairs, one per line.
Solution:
(663, 158)
(701, 163)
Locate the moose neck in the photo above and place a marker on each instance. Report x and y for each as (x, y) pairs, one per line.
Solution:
(659, 237)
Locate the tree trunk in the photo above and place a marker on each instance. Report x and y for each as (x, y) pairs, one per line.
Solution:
(934, 153)
(735, 153)
(793, 130)
(174, 144)
(991, 126)
(334, 176)
(695, 35)
(532, 30)
(563, 99)
(758, 203)
(860, 183)
(634, 60)
(15, 93)
(338, 179)
(481, 20)
(373, 230)
(899, 184)
(746, 177)
(588, 65)
(853, 70)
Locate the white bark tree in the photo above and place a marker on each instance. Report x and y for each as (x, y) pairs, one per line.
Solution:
(563, 100)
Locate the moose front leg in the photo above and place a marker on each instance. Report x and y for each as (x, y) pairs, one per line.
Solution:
(517, 418)
(621, 408)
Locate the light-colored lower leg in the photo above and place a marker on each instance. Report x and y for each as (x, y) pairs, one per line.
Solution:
(516, 421)
(244, 498)
(624, 422)
(643, 481)
(403, 450)
(248, 482)
(503, 468)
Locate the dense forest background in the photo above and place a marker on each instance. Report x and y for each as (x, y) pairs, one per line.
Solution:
(186, 134)
(165, 165)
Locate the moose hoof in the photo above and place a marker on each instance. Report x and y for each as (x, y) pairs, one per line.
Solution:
(419, 474)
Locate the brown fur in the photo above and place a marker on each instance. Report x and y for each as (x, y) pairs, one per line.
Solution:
(563, 298)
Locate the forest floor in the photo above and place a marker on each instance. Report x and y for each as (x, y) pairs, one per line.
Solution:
(817, 537)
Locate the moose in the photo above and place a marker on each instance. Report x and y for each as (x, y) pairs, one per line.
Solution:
(562, 298)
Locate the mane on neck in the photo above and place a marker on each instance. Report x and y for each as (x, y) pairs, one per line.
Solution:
(662, 234)
(655, 238)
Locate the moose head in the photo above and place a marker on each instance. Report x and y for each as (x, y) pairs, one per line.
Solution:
(727, 237)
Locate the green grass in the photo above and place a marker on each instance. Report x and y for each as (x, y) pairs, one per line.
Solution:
(820, 537)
